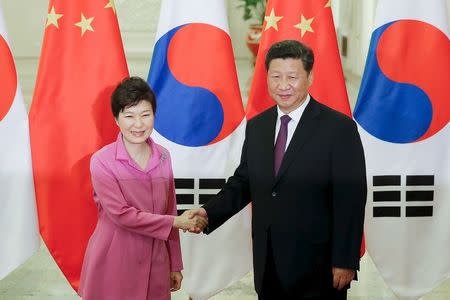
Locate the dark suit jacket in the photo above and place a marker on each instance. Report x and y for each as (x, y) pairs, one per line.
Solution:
(314, 208)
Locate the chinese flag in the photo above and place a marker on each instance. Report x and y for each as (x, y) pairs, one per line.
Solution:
(82, 60)
(310, 22)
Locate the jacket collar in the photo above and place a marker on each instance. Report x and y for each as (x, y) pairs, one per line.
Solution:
(123, 155)
(304, 130)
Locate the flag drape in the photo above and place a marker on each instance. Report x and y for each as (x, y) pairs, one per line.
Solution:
(82, 60)
(18, 219)
(403, 113)
(200, 119)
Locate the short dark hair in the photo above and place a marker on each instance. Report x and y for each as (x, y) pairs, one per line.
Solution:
(291, 49)
(130, 92)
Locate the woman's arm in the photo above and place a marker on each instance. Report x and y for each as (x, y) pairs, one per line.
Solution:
(109, 194)
(173, 242)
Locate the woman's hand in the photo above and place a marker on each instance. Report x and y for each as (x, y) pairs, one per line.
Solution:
(175, 281)
(188, 221)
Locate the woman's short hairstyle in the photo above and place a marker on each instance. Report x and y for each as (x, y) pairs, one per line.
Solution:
(130, 92)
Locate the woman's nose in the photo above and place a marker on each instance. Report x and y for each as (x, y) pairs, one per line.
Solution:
(138, 122)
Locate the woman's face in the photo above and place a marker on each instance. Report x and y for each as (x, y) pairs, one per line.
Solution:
(136, 122)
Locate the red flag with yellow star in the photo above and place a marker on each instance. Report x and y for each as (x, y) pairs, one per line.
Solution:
(311, 22)
(82, 60)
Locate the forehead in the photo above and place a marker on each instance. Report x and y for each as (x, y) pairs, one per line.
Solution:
(142, 105)
(286, 65)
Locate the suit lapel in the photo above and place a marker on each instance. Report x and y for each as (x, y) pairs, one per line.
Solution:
(267, 142)
(303, 132)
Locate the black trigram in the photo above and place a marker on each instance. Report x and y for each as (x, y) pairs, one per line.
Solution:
(193, 192)
(388, 191)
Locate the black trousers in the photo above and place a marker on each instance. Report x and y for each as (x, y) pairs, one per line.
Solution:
(273, 290)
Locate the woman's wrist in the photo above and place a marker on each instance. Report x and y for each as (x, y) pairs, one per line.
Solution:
(176, 222)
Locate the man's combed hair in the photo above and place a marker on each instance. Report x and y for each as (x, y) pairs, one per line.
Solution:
(130, 92)
(291, 49)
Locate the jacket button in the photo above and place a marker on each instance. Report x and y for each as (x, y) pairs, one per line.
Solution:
(274, 194)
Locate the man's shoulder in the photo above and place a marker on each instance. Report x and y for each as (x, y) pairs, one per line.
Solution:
(263, 117)
(331, 114)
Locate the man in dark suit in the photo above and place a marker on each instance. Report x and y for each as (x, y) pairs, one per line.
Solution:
(303, 169)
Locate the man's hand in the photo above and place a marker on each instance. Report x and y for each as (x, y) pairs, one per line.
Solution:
(342, 277)
(198, 213)
(175, 281)
(192, 222)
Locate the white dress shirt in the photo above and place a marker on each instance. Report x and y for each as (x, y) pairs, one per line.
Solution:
(295, 116)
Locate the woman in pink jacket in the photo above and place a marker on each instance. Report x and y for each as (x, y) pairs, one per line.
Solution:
(134, 252)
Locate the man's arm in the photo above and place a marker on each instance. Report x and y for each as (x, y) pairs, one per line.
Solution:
(233, 197)
(349, 198)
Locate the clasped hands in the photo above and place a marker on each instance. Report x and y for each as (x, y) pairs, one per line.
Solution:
(193, 220)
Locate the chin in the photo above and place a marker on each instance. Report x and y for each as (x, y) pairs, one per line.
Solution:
(285, 106)
(137, 140)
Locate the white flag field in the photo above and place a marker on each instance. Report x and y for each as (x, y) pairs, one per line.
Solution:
(18, 217)
(200, 119)
(403, 112)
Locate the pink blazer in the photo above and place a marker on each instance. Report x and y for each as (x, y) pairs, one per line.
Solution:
(134, 247)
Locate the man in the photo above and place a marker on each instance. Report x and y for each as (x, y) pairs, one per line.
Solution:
(303, 168)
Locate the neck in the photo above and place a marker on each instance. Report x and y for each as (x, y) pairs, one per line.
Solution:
(137, 151)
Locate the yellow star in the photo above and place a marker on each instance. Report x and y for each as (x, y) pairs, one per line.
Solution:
(52, 18)
(111, 5)
(85, 24)
(305, 25)
(328, 4)
(272, 21)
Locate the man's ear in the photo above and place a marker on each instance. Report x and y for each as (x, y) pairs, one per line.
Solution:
(310, 77)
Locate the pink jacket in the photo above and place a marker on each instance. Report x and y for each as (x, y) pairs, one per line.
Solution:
(134, 247)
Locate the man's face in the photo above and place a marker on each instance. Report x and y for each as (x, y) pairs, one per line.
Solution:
(288, 83)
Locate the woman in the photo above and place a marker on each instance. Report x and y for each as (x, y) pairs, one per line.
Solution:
(134, 252)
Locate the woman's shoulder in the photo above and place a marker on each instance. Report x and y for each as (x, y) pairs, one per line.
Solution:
(105, 154)
(163, 151)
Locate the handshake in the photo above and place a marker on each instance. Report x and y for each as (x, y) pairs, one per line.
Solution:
(193, 220)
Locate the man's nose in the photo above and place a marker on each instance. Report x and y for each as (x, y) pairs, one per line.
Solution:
(283, 84)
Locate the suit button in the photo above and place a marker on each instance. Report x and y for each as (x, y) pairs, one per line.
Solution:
(274, 194)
